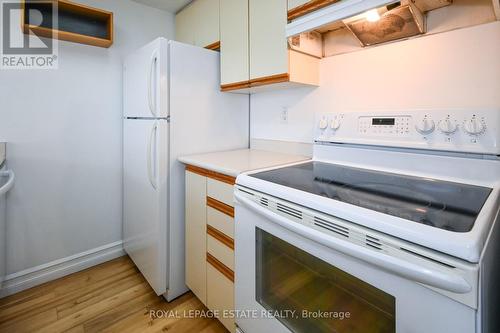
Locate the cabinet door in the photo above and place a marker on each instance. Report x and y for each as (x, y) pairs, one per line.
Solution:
(185, 26)
(268, 44)
(196, 234)
(198, 23)
(234, 41)
(206, 20)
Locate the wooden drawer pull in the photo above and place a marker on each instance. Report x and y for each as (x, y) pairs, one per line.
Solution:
(223, 269)
(221, 237)
(220, 206)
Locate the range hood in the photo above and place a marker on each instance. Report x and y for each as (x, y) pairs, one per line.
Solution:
(339, 11)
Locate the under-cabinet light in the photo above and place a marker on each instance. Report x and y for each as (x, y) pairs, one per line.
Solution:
(372, 15)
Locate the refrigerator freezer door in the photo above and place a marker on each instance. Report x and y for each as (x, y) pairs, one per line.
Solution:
(145, 80)
(145, 182)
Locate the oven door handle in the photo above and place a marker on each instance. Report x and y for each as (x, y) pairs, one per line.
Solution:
(418, 273)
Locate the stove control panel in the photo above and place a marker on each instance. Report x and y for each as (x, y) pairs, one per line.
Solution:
(472, 131)
(391, 126)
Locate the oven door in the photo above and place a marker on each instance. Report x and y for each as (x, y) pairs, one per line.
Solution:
(285, 282)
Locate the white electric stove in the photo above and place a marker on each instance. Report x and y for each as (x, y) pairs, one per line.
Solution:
(394, 222)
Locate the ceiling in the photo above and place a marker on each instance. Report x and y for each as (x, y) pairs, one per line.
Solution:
(172, 6)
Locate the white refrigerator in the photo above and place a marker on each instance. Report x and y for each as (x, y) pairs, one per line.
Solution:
(172, 107)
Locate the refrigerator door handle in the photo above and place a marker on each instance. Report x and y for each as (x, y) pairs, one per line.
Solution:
(150, 164)
(152, 70)
(9, 184)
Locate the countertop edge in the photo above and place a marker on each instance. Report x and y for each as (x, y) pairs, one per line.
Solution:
(187, 160)
(222, 170)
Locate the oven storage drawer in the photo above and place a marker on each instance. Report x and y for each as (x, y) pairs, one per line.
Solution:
(220, 292)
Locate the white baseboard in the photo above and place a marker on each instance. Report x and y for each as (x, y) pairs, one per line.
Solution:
(35, 276)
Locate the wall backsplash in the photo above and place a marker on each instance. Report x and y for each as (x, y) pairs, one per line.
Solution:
(457, 69)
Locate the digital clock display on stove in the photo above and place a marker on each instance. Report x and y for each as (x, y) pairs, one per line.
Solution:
(383, 121)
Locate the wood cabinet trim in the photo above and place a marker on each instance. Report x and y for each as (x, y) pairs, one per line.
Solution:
(235, 86)
(220, 236)
(220, 206)
(308, 7)
(211, 174)
(278, 78)
(214, 46)
(261, 81)
(219, 266)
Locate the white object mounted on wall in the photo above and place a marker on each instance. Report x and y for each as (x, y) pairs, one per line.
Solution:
(336, 12)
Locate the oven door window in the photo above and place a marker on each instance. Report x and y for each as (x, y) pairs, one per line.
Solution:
(309, 295)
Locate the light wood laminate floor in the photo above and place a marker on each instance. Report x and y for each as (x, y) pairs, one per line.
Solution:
(111, 297)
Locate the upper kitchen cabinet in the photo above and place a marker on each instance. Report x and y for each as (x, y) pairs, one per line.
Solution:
(268, 45)
(234, 44)
(198, 24)
(269, 62)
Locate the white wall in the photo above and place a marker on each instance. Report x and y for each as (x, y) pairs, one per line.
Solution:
(64, 133)
(457, 69)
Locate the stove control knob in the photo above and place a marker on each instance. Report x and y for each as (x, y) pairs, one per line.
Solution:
(448, 126)
(335, 124)
(323, 123)
(426, 126)
(474, 126)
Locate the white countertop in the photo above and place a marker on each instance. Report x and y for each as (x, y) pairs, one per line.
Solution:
(234, 162)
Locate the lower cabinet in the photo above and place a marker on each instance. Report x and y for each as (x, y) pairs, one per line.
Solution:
(210, 240)
(196, 231)
(220, 295)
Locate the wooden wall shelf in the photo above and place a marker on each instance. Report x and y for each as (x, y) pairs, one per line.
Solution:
(76, 23)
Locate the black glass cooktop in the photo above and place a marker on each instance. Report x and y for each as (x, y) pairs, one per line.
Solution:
(441, 204)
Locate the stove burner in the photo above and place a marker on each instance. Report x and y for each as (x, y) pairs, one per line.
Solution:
(440, 204)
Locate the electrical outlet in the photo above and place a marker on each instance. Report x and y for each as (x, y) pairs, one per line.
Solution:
(284, 115)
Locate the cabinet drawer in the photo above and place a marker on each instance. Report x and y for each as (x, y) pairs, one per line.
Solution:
(220, 295)
(220, 250)
(220, 221)
(220, 191)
